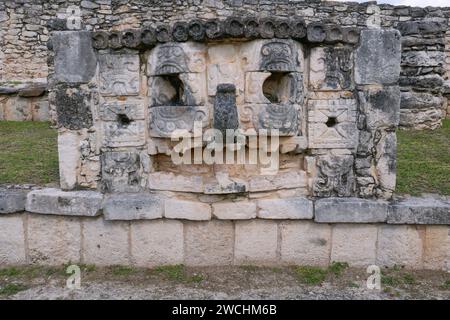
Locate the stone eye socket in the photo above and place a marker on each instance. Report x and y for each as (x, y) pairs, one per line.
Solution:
(331, 122)
(123, 120)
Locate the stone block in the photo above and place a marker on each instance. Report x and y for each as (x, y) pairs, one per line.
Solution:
(305, 243)
(54, 240)
(420, 101)
(378, 57)
(354, 244)
(417, 210)
(74, 106)
(400, 246)
(171, 182)
(41, 110)
(69, 158)
(119, 74)
(256, 242)
(334, 176)
(156, 243)
(381, 107)
(350, 210)
(105, 243)
(209, 243)
(12, 200)
(12, 240)
(423, 58)
(121, 171)
(72, 203)
(17, 109)
(436, 248)
(133, 206)
(75, 60)
(288, 208)
(284, 180)
(234, 210)
(124, 133)
(119, 111)
(189, 210)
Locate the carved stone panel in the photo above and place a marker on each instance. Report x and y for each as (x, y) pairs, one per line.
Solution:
(332, 123)
(119, 74)
(124, 133)
(334, 176)
(120, 171)
(166, 119)
(122, 110)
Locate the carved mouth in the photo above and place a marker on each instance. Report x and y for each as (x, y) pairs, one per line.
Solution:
(279, 65)
(169, 68)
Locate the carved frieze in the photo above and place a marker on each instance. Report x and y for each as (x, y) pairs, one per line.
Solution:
(120, 171)
(119, 74)
(334, 176)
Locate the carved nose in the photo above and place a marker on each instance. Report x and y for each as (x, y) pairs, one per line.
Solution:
(225, 111)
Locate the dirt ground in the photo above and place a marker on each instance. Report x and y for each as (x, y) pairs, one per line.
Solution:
(248, 282)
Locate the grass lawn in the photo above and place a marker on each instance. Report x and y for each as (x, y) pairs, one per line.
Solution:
(28, 152)
(423, 161)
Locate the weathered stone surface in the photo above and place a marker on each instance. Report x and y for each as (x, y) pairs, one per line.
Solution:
(54, 240)
(119, 74)
(423, 58)
(334, 176)
(399, 246)
(378, 57)
(436, 248)
(105, 243)
(12, 240)
(209, 243)
(427, 26)
(12, 200)
(381, 107)
(386, 163)
(234, 210)
(288, 208)
(69, 158)
(189, 210)
(316, 32)
(75, 60)
(284, 180)
(133, 206)
(225, 111)
(429, 119)
(121, 172)
(419, 211)
(332, 123)
(429, 81)
(74, 106)
(124, 133)
(72, 203)
(420, 100)
(172, 182)
(350, 210)
(156, 243)
(354, 244)
(305, 243)
(256, 241)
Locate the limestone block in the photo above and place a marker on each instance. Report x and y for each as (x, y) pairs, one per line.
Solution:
(386, 162)
(166, 121)
(133, 206)
(121, 171)
(209, 243)
(254, 87)
(256, 241)
(305, 243)
(105, 243)
(378, 57)
(12, 200)
(124, 133)
(75, 60)
(194, 88)
(350, 210)
(225, 72)
(331, 68)
(119, 74)
(414, 210)
(283, 180)
(428, 119)
(332, 123)
(122, 110)
(156, 243)
(190, 210)
(69, 158)
(172, 182)
(420, 100)
(381, 107)
(41, 110)
(436, 248)
(288, 208)
(72, 203)
(17, 109)
(354, 244)
(423, 58)
(12, 240)
(74, 106)
(334, 176)
(234, 210)
(54, 240)
(428, 81)
(399, 245)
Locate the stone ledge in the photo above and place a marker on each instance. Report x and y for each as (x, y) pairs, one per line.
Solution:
(289, 208)
(12, 200)
(133, 206)
(71, 203)
(350, 210)
(416, 210)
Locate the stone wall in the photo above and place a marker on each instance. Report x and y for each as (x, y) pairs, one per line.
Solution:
(25, 26)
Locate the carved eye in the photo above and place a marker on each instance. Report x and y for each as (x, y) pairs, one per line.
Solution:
(266, 51)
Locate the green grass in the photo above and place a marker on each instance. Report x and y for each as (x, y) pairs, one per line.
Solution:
(311, 275)
(178, 273)
(122, 270)
(338, 267)
(28, 152)
(11, 289)
(423, 163)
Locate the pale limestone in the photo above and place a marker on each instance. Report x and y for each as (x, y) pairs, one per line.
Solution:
(105, 242)
(400, 245)
(12, 240)
(436, 247)
(288, 208)
(284, 180)
(69, 153)
(354, 244)
(54, 240)
(234, 210)
(172, 182)
(256, 242)
(156, 243)
(208, 243)
(190, 210)
(305, 243)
